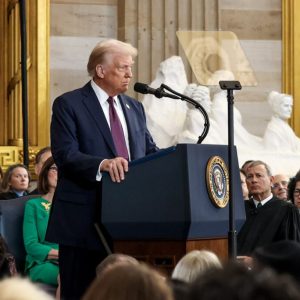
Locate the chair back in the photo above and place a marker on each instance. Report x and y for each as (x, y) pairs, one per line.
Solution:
(11, 227)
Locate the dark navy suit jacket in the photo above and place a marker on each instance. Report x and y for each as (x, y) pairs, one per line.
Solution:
(80, 140)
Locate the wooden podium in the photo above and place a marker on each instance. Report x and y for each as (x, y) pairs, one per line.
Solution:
(163, 210)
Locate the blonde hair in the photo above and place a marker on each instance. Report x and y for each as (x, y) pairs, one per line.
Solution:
(113, 259)
(195, 263)
(129, 282)
(102, 49)
(17, 288)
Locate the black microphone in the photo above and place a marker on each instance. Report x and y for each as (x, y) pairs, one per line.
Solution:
(145, 89)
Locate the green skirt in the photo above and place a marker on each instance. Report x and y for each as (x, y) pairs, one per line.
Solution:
(46, 272)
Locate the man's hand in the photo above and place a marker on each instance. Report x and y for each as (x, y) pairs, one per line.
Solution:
(116, 168)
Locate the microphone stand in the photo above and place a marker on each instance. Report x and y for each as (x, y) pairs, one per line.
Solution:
(195, 104)
(232, 236)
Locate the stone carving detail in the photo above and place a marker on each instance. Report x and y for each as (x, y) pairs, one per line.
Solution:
(9, 155)
(172, 122)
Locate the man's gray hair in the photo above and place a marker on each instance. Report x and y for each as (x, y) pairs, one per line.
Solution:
(102, 49)
(258, 163)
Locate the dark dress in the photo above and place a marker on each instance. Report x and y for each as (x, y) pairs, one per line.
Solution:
(9, 195)
(276, 220)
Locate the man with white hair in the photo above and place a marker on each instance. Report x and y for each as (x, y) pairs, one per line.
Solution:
(94, 129)
(268, 219)
(280, 186)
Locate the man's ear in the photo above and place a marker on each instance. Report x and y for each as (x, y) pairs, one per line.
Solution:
(100, 71)
(272, 180)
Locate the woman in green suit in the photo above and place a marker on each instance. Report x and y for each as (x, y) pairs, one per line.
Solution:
(42, 256)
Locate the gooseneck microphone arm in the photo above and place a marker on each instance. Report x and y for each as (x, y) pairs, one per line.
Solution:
(196, 105)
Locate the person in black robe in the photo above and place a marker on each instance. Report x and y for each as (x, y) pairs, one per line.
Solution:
(268, 219)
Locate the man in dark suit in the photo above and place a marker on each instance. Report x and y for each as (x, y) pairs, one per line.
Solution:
(268, 219)
(84, 147)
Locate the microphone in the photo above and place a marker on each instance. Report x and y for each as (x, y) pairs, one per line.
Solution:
(158, 93)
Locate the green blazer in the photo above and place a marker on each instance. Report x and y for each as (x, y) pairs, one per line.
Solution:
(36, 217)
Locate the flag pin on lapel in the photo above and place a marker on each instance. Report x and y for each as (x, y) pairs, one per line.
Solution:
(127, 106)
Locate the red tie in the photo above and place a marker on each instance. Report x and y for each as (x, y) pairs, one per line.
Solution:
(117, 130)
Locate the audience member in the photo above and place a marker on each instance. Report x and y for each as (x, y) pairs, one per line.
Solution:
(40, 158)
(42, 257)
(268, 219)
(195, 263)
(16, 288)
(280, 186)
(294, 190)
(15, 182)
(282, 256)
(7, 261)
(245, 191)
(129, 282)
(114, 259)
(236, 282)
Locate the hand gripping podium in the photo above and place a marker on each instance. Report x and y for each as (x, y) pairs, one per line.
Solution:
(163, 209)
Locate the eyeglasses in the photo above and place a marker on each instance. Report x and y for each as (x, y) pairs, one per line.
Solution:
(53, 168)
(297, 192)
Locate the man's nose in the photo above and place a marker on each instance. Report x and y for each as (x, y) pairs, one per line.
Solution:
(129, 73)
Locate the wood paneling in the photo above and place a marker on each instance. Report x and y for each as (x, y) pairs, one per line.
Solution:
(164, 255)
(153, 29)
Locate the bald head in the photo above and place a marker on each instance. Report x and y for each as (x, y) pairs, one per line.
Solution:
(280, 186)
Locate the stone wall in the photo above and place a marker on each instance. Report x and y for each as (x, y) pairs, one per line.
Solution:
(151, 26)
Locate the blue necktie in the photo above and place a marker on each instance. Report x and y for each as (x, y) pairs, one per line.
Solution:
(117, 130)
(259, 205)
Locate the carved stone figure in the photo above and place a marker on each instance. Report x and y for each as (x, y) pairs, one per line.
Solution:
(171, 121)
(166, 117)
(194, 122)
(279, 136)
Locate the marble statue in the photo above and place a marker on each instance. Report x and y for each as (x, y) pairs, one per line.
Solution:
(279, 136)
(165, 116)
(194, 122)
(242, 137)
(173, 121)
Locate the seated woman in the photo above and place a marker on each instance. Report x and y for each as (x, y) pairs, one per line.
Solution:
(294, 190)
(42, 257)
(15, 182)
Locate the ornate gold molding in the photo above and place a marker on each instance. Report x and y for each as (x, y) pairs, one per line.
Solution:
(290, 56)
(10, 155)
(11, 6)
(43, 73)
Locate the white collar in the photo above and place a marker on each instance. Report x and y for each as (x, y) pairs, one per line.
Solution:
(263, 202)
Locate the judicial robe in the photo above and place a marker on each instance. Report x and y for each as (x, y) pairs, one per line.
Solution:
(274, 221)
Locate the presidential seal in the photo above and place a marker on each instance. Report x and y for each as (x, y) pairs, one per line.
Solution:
(217, 181)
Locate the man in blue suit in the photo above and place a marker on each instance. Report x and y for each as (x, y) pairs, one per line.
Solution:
(84, 147)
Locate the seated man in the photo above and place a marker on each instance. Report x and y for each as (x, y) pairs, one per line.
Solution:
(268, 219)
(280, 186)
